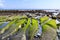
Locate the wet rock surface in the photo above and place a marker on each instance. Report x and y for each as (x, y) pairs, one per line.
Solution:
(49, 34)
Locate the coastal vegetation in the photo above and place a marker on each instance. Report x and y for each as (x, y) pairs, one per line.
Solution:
(16, 23)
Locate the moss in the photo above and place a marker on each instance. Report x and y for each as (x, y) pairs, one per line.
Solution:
(52, 23)
(49, 33)
(43, 19)
(33, 29)
(45, 27)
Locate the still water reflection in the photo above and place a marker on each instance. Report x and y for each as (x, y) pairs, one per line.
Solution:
(4, 24)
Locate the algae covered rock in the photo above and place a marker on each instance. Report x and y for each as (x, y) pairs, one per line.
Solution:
(19, 36)
(49, 30)
(31, 25)
(48, 34)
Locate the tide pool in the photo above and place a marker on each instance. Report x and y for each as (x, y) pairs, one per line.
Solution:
(3, 24)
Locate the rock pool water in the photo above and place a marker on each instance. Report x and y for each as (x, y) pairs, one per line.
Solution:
(4, 24)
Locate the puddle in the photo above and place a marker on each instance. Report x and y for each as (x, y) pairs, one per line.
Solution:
(4, 24)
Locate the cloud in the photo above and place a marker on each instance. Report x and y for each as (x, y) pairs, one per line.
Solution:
(1, 3)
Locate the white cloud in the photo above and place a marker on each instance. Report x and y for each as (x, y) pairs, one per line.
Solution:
(1, 3)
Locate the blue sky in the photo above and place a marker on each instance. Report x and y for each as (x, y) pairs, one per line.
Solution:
(30, 4)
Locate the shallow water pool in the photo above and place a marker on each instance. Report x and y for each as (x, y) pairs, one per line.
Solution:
(3, 24)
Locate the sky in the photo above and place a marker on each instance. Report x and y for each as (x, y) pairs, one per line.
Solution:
(29, 4)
